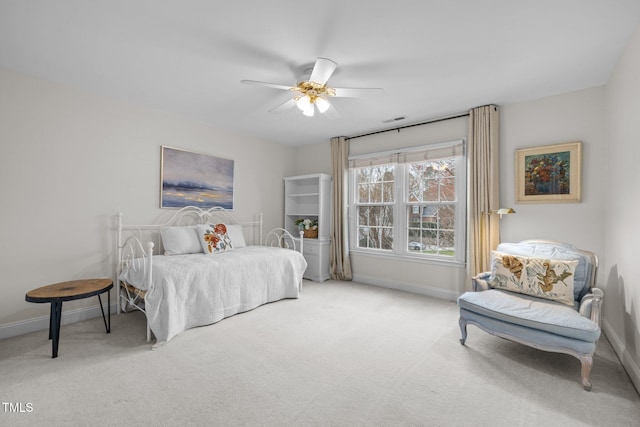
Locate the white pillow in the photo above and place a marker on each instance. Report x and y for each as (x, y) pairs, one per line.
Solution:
(180, 240)
(236, 235)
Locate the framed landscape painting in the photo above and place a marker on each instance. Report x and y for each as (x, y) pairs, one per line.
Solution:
(192, 179)
(549, 173)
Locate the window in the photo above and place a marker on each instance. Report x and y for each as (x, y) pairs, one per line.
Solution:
(375, 205)
(410, 203)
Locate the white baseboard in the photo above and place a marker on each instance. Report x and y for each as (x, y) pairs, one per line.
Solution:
(429, 291)
(42, 323)
(625, 358)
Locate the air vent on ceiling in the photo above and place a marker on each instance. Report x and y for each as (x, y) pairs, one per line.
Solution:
(395, 119)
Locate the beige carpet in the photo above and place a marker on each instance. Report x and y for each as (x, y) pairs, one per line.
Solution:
(343, 354)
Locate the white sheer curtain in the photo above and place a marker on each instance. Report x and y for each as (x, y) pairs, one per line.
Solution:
(339, 261)
(484, 187)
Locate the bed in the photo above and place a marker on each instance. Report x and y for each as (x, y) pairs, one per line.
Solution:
(201, 266)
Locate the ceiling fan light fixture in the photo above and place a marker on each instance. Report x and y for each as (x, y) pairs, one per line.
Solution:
(309, 111)
(304, 102)
(322, 104)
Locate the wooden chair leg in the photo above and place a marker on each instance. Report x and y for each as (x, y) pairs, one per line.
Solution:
(587, 363)
(463, 330)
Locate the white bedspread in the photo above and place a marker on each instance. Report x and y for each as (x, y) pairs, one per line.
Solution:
(198, 289)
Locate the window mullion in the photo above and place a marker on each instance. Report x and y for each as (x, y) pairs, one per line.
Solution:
(400, 227)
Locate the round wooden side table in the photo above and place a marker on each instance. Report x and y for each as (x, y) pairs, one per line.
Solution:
(69, 291)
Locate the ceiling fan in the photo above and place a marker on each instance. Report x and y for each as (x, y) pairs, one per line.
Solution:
(314, 92)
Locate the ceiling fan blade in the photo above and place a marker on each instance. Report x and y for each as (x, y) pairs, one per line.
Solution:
(331, 113)
(322, 71)
(273, 85)
(289, 103)
(355, 92)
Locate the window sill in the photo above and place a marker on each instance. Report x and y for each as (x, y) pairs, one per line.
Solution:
(409, 258)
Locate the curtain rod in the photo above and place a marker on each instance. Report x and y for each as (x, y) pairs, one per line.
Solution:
(410, 126)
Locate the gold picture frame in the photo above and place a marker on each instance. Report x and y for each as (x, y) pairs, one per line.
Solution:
(549, 174)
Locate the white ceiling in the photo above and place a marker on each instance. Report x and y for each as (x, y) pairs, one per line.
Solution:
(434, 58)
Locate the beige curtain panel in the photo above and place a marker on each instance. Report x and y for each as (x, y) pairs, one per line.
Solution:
(484, 187)
(339, 262)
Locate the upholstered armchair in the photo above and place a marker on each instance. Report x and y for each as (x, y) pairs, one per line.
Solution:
(541, 294)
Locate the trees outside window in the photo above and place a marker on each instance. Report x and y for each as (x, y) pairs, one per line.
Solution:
(375, 204)
(431, 206)
(414, 208)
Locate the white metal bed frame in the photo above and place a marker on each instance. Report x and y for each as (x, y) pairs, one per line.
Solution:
(132, 253)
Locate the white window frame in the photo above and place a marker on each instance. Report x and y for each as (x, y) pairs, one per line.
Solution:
(400, 228)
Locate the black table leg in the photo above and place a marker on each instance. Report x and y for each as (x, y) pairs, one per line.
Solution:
(51, 317)
(108, 328)
(56, 312)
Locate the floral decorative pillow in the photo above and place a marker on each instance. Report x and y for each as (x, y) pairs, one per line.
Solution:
(214, 238)
(506, 271)
(539, 277)
(551, 279)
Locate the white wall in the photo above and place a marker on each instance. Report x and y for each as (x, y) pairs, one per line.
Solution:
(622, 206)
(71, 160)
(313, 158)
(436, 279)
(575, 116)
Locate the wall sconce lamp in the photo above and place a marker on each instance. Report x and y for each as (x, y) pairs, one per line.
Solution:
(503, 211)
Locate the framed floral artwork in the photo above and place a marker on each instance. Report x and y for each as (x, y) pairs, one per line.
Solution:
(193, 179)
(549, 174)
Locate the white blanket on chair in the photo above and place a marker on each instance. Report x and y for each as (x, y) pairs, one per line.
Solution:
(198, 289)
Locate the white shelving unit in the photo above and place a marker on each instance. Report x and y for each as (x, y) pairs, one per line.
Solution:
(309, 196)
